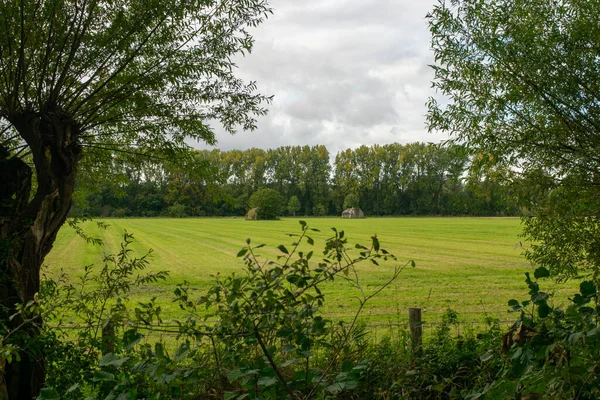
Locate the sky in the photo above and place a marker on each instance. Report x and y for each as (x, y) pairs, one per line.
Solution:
(344, 73)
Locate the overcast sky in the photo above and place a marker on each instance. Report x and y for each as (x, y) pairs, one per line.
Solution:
(343, 72)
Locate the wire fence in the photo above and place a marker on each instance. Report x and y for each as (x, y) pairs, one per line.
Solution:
(170, 332)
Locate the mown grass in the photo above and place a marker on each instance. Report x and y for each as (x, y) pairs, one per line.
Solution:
(472, 265)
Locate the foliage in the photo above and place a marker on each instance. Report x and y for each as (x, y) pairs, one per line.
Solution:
(521, 83)
(102, 81)
(293, 205)
(411, 179)
(448, 368)
(537, 61)
(86, 318)
(555, 351)
(177, 211)
(260, 334)
(96, 305)
(183, 49)
(351, 201)
(564, 231)
(273, 310)
(268, 203)
(263, 336)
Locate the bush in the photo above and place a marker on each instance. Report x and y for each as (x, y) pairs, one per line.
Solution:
(267, 339)
(121, 212)
(177, 211)
(553, 353)
(294, 205)
(268, 202)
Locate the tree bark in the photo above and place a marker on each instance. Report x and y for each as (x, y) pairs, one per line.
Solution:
(29, 223)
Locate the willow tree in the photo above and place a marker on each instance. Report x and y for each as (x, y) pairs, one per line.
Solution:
(520, 83)
(87, 79)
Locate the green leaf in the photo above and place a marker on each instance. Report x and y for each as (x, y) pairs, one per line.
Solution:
(487, 356)
(112, 360)
(515, 305)
(242, 252)
(283, 249)
(229, 395)
(574, 337)
(103, 376)
(72, 388)
(267, 381)
(543, 309)
(587, 289)
(131, 338)
(375, 242)
(539, 297)
(48, 394)
(593, 332)
(235, 375)
(335, 388)
(289, 362)
(347, 366)
(580, 300)
(125, 396)
(541, 272)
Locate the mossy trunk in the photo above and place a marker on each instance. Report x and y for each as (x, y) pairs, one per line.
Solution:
(29, 221)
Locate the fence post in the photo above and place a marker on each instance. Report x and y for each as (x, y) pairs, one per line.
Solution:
(416, 330)
(108, 337)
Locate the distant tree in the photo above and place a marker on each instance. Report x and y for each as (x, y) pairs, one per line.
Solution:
(520, 83)
(319, 210)
(177, 211)
(293, 205)
(97, 79)
(268, 202)
(351, 201)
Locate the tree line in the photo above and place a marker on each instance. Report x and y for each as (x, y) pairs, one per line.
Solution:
(392, 179)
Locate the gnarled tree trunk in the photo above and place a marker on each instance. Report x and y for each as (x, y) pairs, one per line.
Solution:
(29, 222)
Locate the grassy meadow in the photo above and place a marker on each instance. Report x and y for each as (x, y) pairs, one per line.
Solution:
(472, 265)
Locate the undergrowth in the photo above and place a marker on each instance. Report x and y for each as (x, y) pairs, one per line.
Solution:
(261, 334)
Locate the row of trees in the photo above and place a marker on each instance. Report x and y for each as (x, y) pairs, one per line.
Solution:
(393, 179)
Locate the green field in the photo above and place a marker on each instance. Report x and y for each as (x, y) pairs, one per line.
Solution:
(472, 265)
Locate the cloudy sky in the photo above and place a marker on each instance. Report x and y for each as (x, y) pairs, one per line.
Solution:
(343, 72)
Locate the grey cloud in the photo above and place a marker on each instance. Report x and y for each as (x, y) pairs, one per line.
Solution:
(343, 72)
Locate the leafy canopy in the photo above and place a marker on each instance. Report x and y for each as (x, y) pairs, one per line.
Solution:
(521, 79)
(268, 202)
(520, 83)
(294, 205)
(129, 73)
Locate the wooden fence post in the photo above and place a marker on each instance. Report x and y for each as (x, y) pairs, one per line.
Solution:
(108, 337)
(416, 330)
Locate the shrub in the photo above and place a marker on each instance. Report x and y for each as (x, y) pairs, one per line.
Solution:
(554, 353)
(177, 211)
(121, 212)
(268, 202)
(267, 339)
